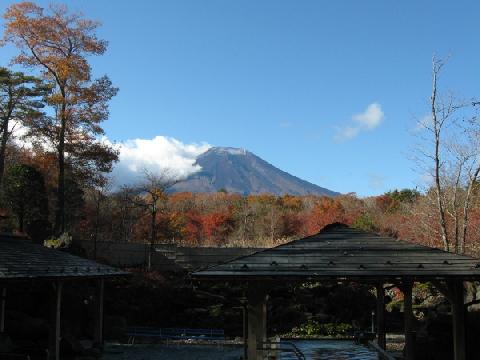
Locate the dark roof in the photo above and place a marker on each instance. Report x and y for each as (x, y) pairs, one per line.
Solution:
(341, 252)
(20, 259)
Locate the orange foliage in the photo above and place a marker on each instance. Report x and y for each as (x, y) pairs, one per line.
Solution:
(325, 211)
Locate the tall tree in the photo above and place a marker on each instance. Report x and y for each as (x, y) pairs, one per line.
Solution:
(20, 101)
(59, 43)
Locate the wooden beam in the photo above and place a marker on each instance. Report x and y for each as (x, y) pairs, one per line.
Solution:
(381, 335)
(2, 310)
(458, 319)
(257, 320)
(55, 330)
(408, 320)
(98, 320)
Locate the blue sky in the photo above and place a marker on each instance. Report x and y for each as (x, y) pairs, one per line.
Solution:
(326, 90)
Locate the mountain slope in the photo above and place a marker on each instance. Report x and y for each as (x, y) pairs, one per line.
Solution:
(240, 171)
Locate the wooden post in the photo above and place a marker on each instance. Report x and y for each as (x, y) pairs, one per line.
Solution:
(408, 320)
(381, 335)
(245, 324)
(458, 319)
(2, 310)
(55, 331)
(98, 320)
(257, 320)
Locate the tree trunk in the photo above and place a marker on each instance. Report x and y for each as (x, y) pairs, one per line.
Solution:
(5, 135)
(3, 147)
(60, 216)
(437, 126)
(153, 235)
(97, 222)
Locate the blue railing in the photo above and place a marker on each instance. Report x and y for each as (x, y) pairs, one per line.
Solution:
(175, 333)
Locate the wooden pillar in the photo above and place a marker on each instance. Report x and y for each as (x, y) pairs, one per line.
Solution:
(408, 320)
(257, 320)
(458, 319)
(55, 331)
(2, 310)
(381, 335)
(245, 324)
(98, 318)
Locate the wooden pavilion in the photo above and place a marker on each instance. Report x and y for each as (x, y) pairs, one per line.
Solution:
(24, 261)
(341, 253)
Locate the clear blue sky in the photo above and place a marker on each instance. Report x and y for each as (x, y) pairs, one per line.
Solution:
(284, 79)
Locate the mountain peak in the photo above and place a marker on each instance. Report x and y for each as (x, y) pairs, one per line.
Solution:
(239, 171)
(226, 150)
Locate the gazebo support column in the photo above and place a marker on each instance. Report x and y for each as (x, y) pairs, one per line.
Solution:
(98, 319)
(381, 336)
(2, 310)
(458, 315)
(55, 334)
(408, 320)
(257, 321)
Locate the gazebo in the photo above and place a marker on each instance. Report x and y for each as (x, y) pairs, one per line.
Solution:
(24, 261)
(340, 253)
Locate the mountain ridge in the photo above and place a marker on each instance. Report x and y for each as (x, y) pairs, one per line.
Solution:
(240, 171)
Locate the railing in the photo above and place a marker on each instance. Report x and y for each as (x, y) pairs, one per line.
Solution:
(283, 346)
(174, 333)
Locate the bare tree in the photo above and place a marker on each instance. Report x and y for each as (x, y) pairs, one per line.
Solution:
(151, 194)
(452, 159)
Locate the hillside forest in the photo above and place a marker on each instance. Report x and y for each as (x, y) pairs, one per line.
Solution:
(54, 167)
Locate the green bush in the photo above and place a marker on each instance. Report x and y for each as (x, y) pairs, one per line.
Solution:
(313, 328)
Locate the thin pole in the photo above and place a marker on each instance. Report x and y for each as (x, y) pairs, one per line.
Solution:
(2, 314)
(381, 338)
(458, 315)
(245, 341)
(55, 332)
(98, 331)
(408, 320)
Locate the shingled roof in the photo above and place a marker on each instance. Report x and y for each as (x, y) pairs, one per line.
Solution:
(20, 259)
(340, 252)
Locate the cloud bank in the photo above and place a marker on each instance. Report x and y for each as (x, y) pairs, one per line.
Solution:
(156, 156)
(371, 118)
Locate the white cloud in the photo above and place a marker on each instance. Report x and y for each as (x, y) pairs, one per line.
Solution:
(371, 118)
(155, 155)
(347, 133)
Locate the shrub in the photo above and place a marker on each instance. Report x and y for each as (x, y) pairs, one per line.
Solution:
(313, 328)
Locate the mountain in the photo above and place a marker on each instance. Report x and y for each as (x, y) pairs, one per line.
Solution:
(240, 171)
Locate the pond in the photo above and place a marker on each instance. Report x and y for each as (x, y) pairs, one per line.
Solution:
(313, 350)
(333, 350)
